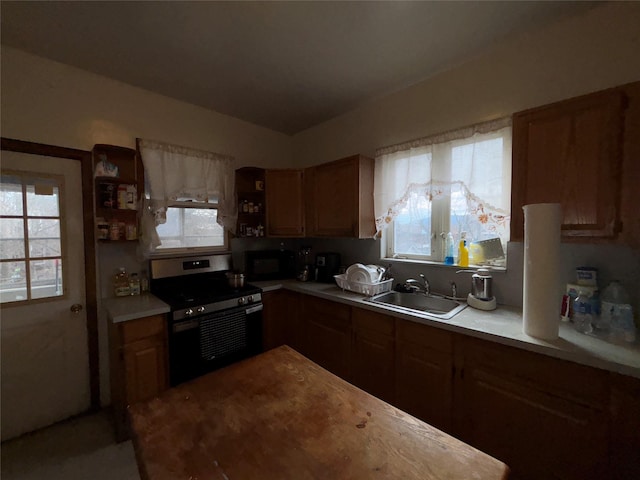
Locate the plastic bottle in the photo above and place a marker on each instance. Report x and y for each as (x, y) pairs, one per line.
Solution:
(121, 283)
(134, 284)
(617, 313)
(144, 282)
(582, 318)
(448, 250)
(463, 254)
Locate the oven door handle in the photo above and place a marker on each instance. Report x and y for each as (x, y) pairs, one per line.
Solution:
(184, 326)
(253, 309)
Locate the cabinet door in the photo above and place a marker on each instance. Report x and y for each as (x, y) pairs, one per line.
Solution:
(340, 198)
(543, 417)
(625, 427)
(280, 320)
(570, 153)
(372, 366)
(424, 372)
(328, 334)
(285, 207)
(144, 369)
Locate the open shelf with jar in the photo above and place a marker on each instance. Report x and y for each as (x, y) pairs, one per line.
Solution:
(118, 184)
(251, 202)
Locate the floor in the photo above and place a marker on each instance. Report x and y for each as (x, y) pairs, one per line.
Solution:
(80, 448)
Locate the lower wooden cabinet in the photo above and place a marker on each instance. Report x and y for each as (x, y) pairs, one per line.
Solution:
(138, 364)
(424, 373)
(544, 417)
(372, 364)
(327, 336)
(624, 410)
(280, 320)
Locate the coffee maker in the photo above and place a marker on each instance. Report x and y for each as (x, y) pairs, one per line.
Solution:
(327, 265)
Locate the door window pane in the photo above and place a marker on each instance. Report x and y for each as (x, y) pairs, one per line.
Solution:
(33, 272)
(10, 196)
(46, 278)
(44, 238)
(11, 238)
(13, 281)
(42, 200)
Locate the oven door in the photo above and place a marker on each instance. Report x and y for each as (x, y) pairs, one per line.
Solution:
(205, 343)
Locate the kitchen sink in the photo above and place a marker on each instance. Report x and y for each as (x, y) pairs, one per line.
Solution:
(430, 305)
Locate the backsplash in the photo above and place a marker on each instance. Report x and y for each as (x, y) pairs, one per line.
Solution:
(612, 261)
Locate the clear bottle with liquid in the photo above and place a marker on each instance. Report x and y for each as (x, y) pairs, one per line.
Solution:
(144, 282)
(121, 283)
(617, 313)
(448, 250)
(582, 318)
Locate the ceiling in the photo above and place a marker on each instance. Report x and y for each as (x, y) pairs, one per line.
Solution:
(286, 66)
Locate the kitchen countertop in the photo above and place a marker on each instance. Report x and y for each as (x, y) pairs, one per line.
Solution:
(503, 325)
(279, 416)
(121, 309)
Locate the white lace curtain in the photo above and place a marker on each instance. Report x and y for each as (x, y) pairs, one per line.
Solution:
(469, 168)
(175, 173)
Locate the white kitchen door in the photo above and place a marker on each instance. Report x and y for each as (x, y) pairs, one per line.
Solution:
(44, 356)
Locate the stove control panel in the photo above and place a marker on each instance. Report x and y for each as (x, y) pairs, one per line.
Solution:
(252, 299)
(245, 300)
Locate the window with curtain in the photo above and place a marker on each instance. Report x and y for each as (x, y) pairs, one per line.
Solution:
(458, 182)
(189, 199)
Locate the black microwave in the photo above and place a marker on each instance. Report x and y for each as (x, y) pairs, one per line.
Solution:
(269, 264)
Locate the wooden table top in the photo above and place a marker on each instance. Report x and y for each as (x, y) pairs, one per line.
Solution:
(281, 416)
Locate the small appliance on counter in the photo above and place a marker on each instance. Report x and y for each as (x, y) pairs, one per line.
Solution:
(269, 264)
(481, 295)
(327, 265)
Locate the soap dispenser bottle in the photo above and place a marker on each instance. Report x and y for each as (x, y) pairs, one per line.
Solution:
(463, 252)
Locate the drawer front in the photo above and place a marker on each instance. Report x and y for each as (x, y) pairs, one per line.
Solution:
(140, 328)
(434, 338)
(377, 322)
(577, 383)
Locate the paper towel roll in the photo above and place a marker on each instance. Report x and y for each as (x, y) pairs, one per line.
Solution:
(542, 289)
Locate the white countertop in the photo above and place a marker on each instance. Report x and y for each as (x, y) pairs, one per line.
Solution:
(121, 309)
(503, 325)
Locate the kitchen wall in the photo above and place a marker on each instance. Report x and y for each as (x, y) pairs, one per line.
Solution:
(47, 102)
(595, 50)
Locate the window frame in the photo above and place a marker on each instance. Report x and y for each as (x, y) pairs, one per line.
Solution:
(441, 213)
(193, 204)
(27, 179)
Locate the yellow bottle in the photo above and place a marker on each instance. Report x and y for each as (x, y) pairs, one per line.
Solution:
(463, 254)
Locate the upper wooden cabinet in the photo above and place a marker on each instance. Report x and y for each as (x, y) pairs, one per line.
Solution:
(339, 198)
(571, 153)
(285, 203)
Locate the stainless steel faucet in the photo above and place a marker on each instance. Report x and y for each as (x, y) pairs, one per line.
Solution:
(417, 285)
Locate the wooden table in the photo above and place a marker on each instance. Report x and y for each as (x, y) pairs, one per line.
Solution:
(280, 416)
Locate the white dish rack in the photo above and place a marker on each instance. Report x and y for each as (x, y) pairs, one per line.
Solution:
(368, 289)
